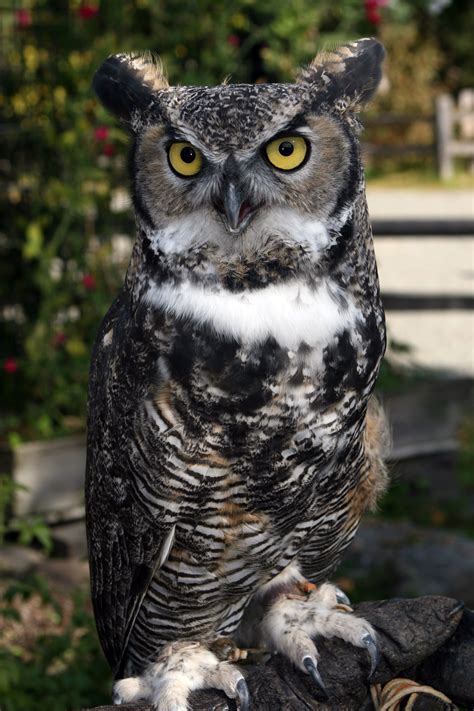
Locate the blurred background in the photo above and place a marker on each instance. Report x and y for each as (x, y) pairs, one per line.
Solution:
(66, 230)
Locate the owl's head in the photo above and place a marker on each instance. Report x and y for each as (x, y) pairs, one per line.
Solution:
(244, 173)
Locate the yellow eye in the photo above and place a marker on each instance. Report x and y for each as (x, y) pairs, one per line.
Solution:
(184, 159)
(287, 152)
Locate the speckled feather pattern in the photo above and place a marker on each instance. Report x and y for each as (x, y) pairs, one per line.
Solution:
(218, 455)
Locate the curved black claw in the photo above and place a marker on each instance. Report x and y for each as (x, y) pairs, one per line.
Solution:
(312, 669)
(369, 643)
(116, 699)
(243, 694)
(460, 606)
(341, 597)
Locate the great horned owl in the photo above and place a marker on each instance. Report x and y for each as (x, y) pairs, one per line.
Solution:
(232, 443)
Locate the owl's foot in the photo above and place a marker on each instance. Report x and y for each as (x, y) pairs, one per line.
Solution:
(293, 620)
(182, 667)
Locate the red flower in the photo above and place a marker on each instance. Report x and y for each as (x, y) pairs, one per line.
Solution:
(233, 40)
(23, 19)
(88, 11)
(89, 282)
(59, 339)
(10, 366)
(372, 13)
(101, 133)
(108, 149)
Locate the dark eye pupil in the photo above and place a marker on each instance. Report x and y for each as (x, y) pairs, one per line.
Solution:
(188, 154)
(286, 148)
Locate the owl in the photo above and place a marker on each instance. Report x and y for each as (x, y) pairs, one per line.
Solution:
(233, 441)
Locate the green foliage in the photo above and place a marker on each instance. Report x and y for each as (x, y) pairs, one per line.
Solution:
(64, 670)
(32, 530)
(7, 491)
(64, 230)
(27, 530)
(465, 462)
(412, 494)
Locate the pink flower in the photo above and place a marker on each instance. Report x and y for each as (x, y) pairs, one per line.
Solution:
(59, 339)
(86, 12)
(10, 366)
(101, 133)
(23, 19)
(89, 282)
(108, 149)
(233, 40)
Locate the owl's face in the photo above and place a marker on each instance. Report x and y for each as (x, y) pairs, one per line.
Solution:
(244, 172)
(232, 165)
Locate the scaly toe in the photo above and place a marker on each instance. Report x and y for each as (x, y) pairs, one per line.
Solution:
(229, 679)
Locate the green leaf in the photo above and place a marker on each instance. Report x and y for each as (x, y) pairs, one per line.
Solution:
(14, 439)
(34, 241)
(32, 529)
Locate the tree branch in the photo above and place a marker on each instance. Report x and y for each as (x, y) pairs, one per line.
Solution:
(429, 639)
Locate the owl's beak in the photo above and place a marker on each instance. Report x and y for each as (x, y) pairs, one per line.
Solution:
(234, 209)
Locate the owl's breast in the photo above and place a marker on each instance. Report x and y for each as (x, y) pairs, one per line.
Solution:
(291, 313)
(269, 406)
(266, 356)
(249, 446)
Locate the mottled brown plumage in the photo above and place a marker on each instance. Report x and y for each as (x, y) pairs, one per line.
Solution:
(232, 447)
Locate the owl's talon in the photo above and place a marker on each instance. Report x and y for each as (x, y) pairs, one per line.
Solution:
(117, 700)
(180, 668)
(290, 626)
(369, 643)
(343, 608)
(243, 695)
(342, 598)
(311, 666)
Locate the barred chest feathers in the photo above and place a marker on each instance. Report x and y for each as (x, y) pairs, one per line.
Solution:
(289, 364)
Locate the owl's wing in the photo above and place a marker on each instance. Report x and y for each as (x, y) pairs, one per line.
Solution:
(127, 539)
(119, 581)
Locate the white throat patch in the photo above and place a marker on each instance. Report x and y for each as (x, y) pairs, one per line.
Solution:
(277, 225)
(291, 313)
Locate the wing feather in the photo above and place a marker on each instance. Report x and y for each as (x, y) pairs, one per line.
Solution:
(127, 539)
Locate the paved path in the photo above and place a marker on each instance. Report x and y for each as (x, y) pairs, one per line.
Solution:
(440, 340)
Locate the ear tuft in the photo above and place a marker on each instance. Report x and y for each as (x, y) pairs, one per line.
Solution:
(128, 83)
(349, 75)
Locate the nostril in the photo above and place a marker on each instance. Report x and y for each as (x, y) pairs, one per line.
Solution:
(235, 212)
